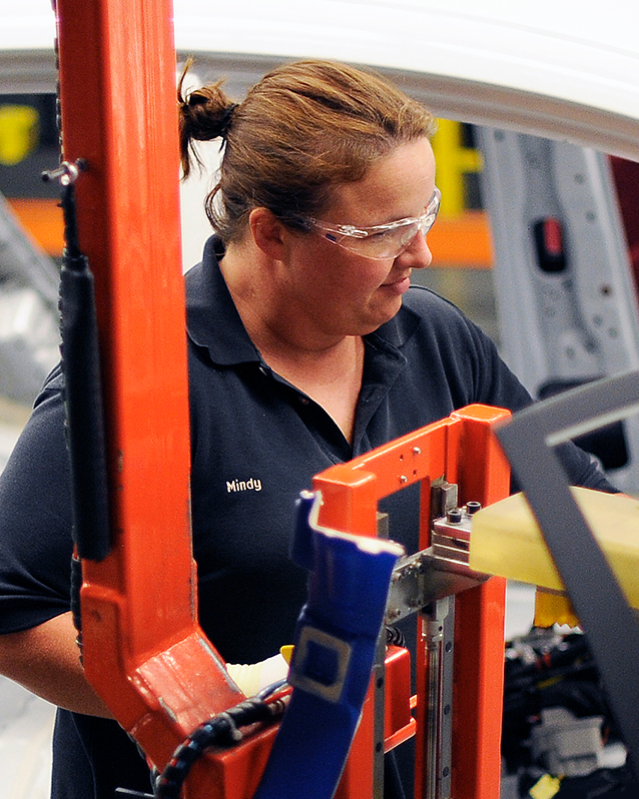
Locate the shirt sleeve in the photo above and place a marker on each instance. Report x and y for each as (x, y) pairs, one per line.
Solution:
(505, 390)
(35, 518)
(476, 373)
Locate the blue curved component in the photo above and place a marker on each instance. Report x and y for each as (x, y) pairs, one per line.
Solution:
(336, 640)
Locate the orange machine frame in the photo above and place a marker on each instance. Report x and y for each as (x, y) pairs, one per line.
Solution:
(143, 648)
(118, 113)
(464, 450)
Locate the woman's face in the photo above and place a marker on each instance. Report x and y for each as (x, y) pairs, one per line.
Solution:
(341, 292)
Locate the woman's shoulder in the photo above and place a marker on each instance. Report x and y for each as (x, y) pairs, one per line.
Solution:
(421, 299)
(426, 311)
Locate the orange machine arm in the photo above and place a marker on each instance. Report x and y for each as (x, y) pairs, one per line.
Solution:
(143, 648)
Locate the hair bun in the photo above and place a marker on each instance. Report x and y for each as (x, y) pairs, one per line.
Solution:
(206, 113)
(227, 118)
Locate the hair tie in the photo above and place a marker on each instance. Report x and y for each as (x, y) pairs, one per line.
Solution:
(225, 119)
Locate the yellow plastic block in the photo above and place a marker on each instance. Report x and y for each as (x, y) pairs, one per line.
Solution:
(553, 609)
(507, 541)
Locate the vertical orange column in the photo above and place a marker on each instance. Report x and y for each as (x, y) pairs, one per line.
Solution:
(117, 91)
(483, 475)
(118, 105)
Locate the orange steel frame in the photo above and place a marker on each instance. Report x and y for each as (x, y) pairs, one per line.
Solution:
(143, 648)
(464, 450)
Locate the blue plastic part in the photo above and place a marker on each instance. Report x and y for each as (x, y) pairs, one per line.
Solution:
(335, 645)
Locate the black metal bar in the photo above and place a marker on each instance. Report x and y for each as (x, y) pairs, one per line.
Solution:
(610, 625)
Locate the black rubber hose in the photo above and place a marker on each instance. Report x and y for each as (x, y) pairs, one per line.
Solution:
(223, 731)
(83, 395)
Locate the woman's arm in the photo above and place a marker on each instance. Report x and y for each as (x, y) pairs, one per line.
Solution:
(46, 660)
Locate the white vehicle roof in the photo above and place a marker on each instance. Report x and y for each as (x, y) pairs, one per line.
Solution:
(567, 69)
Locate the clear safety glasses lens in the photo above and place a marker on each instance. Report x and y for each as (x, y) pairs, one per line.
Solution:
(382, 241)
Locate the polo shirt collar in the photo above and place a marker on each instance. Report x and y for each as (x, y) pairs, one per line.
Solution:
(213, 321)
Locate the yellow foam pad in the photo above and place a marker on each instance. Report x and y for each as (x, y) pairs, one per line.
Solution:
(507, 541)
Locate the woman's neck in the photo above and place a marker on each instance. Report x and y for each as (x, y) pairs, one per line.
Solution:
(329, 371)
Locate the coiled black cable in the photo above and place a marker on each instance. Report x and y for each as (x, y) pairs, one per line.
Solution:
(395, 637)
(221, 731)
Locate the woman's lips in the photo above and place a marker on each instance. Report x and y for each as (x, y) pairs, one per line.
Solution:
(400, 286)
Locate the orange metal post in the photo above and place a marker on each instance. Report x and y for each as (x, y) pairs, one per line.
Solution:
(143, 649)
(483, 475)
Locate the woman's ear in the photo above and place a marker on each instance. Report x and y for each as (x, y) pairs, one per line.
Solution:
(268, 232)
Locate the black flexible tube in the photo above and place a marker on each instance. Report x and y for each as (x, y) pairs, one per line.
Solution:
(83, 394)
(223, 730)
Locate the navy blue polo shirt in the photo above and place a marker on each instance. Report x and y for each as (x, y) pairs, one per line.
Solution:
(256, 442)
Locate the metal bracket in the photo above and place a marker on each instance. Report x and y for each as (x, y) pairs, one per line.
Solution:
(438, 625)
(440, 571)
(426, 583)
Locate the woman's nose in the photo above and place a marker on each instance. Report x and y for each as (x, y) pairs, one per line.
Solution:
(417, 255)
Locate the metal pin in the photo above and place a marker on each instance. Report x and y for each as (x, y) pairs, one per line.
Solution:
(66, 173)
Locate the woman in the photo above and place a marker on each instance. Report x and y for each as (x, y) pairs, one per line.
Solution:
(306, 347)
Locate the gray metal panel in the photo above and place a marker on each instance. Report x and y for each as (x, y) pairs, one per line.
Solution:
(29, 337)
(610, 624)
(580, 323)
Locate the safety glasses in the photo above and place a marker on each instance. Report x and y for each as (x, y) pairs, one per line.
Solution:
(381, 241)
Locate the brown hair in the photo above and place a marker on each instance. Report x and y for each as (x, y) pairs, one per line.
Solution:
(303, 128)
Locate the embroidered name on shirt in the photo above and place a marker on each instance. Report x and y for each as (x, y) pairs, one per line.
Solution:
(252, 484)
